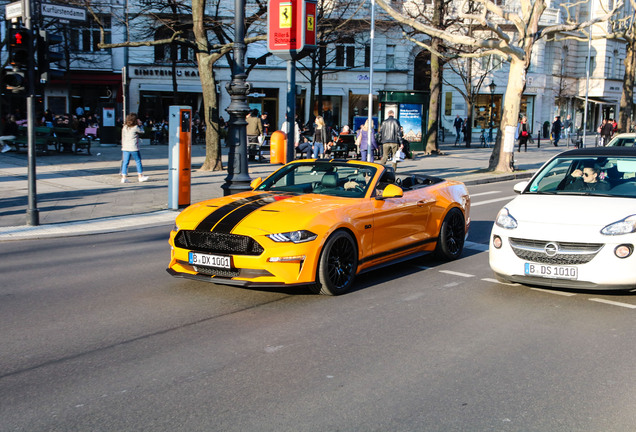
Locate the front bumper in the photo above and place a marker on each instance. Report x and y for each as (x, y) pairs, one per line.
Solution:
(605, 271)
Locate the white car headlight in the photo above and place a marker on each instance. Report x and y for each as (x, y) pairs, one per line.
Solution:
(505, 220)
(625, 226)
(300, 236)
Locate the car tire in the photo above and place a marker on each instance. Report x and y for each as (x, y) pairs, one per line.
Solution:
(450, 242)
(338, 265)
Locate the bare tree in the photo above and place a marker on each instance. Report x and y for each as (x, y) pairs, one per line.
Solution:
(624, 29)
(209, 32)
(515, 46)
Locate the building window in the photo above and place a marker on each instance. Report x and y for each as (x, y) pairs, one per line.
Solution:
(367, 56)
(345, 54)
(390, 56)
(86, 36)
(167, 52)
(592, 65)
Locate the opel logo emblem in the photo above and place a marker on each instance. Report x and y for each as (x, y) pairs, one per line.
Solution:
(551, 249)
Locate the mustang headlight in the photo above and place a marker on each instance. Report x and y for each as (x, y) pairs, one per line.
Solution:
(505, 220)
(625, 226)
(300, 236)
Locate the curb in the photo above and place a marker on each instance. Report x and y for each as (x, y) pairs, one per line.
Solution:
(150, 219)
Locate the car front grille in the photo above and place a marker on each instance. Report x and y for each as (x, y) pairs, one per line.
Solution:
(558, 253)
(217, 271)
(210, 242)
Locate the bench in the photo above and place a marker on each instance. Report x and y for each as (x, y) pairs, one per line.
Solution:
(343, 146)
(68, 141)
(43, 139)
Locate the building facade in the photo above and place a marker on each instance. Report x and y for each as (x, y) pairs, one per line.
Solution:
(148, 79)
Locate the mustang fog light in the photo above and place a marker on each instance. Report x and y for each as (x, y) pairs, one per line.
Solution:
(624, 250)
(496, 241)
(292, 259)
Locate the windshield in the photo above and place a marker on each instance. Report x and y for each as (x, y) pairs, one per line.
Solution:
(607, 176)
(326, 178)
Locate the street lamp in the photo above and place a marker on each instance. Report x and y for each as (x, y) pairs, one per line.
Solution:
(238, 179)
(492, 86)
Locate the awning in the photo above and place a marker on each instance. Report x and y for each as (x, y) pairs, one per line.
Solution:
(597, 100)
(88, 78)
(333, 91)
(185, 88)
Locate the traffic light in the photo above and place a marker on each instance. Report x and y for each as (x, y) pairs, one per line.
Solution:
(20, 42)
(46, 57)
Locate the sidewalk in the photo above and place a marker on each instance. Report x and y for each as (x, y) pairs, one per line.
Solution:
(82, 194)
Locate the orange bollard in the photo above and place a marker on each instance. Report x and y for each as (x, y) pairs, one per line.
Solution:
(278, 147)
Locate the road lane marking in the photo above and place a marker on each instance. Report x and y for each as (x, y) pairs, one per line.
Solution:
(613, 303)
(476, 246)
(561, 293)
(454, 273)
(507, 198)
(500, 282)
(484, 193)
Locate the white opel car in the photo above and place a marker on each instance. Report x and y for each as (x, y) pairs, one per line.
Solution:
(573, 224)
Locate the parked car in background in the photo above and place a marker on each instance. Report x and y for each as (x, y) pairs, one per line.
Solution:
(319, 223)
(622, 140)
(573, 224)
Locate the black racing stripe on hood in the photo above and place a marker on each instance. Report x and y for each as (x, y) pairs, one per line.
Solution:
(213, 218)
(228, 223)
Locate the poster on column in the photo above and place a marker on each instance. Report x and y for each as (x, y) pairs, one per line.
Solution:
(411, 121)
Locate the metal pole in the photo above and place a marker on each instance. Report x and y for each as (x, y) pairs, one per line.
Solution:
(291, 110)
(370, 129)
(238, 179)
(32, 213)
(587, 81)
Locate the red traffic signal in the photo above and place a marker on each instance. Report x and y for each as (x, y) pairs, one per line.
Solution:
(19, 40)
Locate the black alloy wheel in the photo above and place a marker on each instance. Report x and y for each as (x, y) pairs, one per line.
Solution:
(338, 264)
(450, 242)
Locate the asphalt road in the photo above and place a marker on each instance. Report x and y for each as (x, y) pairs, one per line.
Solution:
(96, 336)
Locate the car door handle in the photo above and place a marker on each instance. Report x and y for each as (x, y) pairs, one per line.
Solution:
(422, 203)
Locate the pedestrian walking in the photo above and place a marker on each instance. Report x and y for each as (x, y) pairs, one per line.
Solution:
(362, 141)
(523, 133)
(130, 140)
(254, 130)
(556, 130)
(457, 124)
(9, 134)
(607, 129)
(321, 137)
(390, 138)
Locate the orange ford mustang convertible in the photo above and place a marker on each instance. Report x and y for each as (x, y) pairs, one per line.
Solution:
(319, 223)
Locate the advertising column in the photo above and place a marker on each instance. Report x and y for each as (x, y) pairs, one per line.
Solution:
(180, 156)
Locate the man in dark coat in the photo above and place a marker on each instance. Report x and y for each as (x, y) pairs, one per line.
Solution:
(390, 138)
(556, 130)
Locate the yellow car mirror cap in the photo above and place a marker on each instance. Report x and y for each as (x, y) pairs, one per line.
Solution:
(256, 182)
(391, 191)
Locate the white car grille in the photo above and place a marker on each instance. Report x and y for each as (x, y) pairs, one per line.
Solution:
(552, 252)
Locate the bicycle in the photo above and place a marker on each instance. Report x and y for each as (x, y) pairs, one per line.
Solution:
(482, 137)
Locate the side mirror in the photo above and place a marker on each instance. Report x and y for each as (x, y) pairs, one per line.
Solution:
(520, 187)
(256, 182)
(391, 191)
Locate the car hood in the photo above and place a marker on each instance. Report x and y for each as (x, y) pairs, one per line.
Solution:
(570, 210)
(262, 212)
